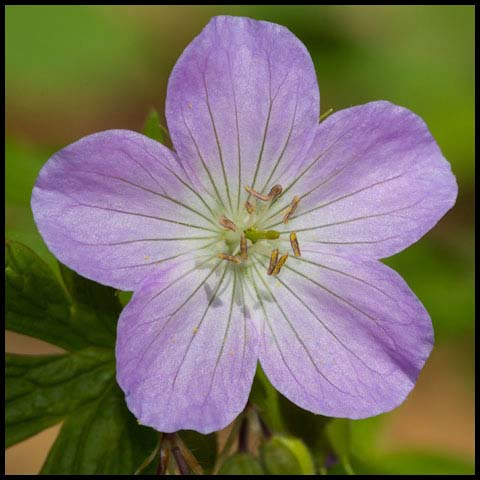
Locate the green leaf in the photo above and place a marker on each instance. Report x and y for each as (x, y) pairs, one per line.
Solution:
(78, 388)
(286, 456)
(241, 464)
(152, 127)
(338, 434)
(203, 447)
(41, 390)
(303, 424)
(80, 316)
(267, 401)
(102, 437)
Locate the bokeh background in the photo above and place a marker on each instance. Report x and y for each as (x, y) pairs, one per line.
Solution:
(74, 70)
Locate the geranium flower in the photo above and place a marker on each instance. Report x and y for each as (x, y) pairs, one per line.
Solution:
(258, 238)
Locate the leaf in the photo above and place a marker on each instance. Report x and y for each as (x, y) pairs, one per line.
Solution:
(102, 437)
(39, 306)
(303, 424)
(203, 447)
(78, 388)
(241, 464)
(286, 456)
(41, 390)
(152, 127)
(338, 434)
(267, 401)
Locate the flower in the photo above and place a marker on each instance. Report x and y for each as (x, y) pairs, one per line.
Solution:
(259, 238)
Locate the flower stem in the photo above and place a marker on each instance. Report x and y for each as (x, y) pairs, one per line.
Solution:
(243, 435)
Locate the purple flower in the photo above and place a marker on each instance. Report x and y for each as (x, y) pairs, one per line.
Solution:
(201, 235)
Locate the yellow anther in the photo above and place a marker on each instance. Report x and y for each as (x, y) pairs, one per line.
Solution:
(273, 261)
(249, 207)
(294, 244)
(251, 191)
(227, 223)
(230, 258)
(275, 192)
(280, 263)
(243, 246)
(195, 330)
(291, 209)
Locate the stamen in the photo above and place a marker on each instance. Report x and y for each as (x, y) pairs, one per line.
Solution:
(280, 263)
(243, 246)
(251, 191)
(294, 244)
(275, 192)
(291, 209)
(227, 223)
(249, 207)
(230, 258)
(273, 261)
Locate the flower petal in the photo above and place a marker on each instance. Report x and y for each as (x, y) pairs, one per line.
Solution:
(114, 205)
(186, 349)
(374, 183)
(242, 105)
(342, 337)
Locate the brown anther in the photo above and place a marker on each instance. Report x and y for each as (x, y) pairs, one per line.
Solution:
(230, 258)
(249, 207)
(275, 191)
(280, 263)
(291, 209)
(251, 191)
(243, 246)
(294, 244)
(227, 223)
(273, 261)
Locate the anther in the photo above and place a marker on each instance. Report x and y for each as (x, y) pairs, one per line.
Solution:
(291, 209)
(294, 244)
(227, 223)
(273, 261)
(230, 258)
(249, 207)
(243, 246)
(280, 263)
(275, 192)
(251, 191)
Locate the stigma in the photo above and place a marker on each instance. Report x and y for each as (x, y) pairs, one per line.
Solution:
(245, 238)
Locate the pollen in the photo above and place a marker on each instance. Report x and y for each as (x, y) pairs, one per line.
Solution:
(294, 244)
(195, 330)
(230, 258)
(275, 192)
(243, 246)
(146, 257)
(249, 207)
(280, 263)
(291, 209)
(273, 261)
(227, 223)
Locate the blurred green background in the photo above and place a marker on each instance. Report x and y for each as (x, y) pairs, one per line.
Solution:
(74, 70)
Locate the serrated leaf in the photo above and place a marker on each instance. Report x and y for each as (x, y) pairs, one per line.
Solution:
(39, 306)
(78, 388)
(286, 456)
(241, 464)
(152, 127)
(41, 390)
(103, 437)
